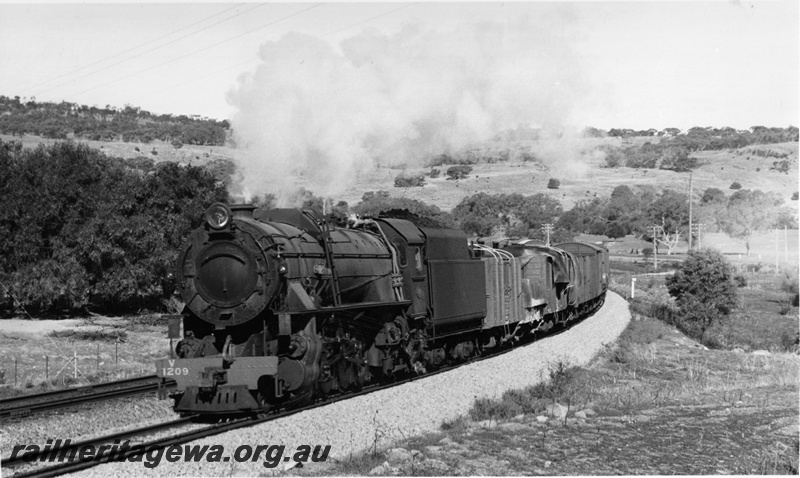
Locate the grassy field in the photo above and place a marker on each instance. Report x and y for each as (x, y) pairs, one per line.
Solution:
(655, 403)
(764, 320)
(38, 355)
(577, 163)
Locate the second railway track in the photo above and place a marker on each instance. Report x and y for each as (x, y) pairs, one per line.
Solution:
(26, 405)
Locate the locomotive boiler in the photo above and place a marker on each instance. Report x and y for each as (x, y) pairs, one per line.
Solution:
(284, 306)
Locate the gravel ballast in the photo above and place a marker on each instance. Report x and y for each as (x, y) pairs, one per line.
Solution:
(385, 417)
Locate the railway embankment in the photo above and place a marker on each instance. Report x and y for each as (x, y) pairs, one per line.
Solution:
(381, 420)
(655, 403)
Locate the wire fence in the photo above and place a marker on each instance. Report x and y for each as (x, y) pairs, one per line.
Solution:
(77, 363)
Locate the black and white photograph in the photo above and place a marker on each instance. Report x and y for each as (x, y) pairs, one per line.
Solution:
(526, 238)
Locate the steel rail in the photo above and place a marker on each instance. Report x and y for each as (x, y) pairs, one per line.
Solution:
(25, 405)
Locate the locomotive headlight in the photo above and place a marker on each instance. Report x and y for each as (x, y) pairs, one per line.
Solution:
(218, 216)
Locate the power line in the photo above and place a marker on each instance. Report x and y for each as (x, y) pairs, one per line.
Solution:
(368, 20)
(201, 50)
(137, 47)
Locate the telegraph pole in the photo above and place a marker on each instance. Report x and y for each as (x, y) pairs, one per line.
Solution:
(698, 229)
(785, 243)
(655, 248)
(690, 210)
(547, 229)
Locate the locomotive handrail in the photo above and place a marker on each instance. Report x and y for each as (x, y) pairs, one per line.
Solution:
(398, 289)
(325, 239)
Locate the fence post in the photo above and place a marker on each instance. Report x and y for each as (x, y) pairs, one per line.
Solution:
(633, 287)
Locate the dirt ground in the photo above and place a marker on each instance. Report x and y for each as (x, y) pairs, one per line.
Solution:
(656, 404)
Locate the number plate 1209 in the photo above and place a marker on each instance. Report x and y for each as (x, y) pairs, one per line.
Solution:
(172, 371)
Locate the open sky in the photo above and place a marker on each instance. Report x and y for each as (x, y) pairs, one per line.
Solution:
(606, 64)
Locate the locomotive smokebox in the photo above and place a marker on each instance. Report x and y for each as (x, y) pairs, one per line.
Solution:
(225, 274)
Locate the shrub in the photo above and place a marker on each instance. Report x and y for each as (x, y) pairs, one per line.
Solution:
(647, 252)
(435, 173)
(553, 183)
(615, 230)
(458, 172)
(791, 286)
(665, 313)
(441, 160)
(487, 408)
(736, 185)
(753, 267)
(704, 290)
(408, 180)
(740, 280)
(789, 341)
(112, 335)
(795, 196)
(780, 166)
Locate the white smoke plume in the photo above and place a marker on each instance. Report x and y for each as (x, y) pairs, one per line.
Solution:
(313, 114)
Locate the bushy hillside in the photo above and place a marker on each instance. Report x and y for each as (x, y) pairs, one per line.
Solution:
(79, 229)
(129, 124)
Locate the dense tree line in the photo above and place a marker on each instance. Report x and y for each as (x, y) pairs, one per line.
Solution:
(674, 149)
(628, 211)
(510, 215)
(710, 138)
(82, 230)
(70, 120)
(670, 148)
(381, 204)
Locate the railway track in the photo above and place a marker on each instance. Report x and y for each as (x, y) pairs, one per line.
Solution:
(26, 405)
(55, 469)
(26, 465)
(29, 459)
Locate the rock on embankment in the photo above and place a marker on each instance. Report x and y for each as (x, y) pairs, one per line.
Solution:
(422, 406)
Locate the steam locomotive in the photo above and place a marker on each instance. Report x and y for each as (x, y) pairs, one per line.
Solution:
(284, 307)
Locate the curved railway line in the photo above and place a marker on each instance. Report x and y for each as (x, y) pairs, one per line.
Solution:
(26, 405)
(56, 469)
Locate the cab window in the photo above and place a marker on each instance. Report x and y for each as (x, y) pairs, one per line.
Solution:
(400, 247)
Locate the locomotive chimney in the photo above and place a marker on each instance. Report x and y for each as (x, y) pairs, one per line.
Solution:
(242, 211)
